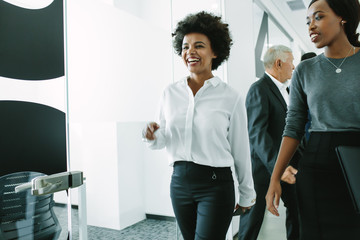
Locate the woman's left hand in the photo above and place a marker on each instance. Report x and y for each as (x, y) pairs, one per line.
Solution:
(289, 176)
(273, 197)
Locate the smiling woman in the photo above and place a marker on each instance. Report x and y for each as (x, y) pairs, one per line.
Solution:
(197, 55)
(328, 86)
(205, 209)
(211, 26)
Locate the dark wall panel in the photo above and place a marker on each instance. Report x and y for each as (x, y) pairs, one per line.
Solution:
(31, 42)
(32, 138)
(32, 135)
(260, 43)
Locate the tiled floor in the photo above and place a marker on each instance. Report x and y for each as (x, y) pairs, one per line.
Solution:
(147, 229)
(273, 228)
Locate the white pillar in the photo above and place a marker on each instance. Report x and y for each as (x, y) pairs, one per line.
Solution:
(241, 64)
(240, 70)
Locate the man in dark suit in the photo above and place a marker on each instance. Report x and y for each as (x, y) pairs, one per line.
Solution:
(266, 105)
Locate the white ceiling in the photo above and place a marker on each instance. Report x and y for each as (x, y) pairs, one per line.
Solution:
(296, 20)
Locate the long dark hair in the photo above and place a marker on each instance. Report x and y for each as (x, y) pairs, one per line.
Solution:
(349, 10)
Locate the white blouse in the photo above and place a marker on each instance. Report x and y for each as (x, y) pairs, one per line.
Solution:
(209, 128)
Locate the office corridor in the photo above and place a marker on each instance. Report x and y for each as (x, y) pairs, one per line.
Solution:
(273, 228)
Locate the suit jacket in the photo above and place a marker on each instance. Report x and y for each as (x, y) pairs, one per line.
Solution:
(266, 112)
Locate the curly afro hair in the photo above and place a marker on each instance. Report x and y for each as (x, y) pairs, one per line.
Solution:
(209, 25)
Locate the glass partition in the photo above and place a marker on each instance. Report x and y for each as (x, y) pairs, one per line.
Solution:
(34, 121)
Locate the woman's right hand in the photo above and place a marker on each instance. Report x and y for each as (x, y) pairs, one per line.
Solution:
(242, 209)
(273, 197)
(150, 130)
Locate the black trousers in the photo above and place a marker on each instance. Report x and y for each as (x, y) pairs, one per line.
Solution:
(250, 222)
(203, 200)
(325, 206)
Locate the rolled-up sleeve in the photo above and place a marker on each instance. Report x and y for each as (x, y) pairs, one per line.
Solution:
(160, 138)
(297, 112)
(240, 150)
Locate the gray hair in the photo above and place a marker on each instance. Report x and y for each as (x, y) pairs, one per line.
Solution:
(274, 53)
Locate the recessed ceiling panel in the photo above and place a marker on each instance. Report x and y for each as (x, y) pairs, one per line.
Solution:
(296, 5)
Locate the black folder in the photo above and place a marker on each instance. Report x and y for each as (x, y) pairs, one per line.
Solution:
(349, 158)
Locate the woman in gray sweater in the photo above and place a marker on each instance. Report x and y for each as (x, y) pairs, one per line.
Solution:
(329, 86)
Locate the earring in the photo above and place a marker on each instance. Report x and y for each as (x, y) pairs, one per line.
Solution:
(342, 23)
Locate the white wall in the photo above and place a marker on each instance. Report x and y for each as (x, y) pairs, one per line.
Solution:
(117, 70)
(130, 171)
(50, 93)
(157, 183)
(241, 64)
(117, 67)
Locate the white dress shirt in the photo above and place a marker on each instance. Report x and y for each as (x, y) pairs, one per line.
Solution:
(209, 128)
(282, 88)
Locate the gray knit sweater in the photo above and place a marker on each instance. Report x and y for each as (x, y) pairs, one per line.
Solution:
(332, 98)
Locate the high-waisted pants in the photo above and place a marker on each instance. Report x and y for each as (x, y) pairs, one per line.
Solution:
(203, 200)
